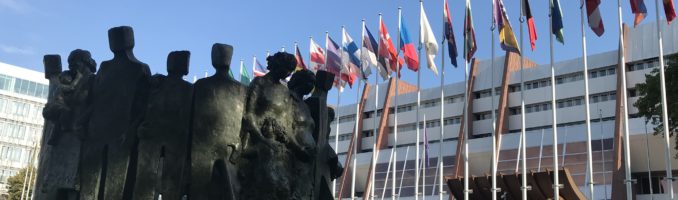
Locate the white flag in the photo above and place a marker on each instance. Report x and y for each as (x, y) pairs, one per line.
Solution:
(429, 41)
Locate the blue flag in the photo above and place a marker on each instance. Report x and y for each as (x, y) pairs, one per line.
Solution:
(557, 21)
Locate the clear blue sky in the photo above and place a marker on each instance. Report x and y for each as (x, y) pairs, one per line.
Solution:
(32, 28)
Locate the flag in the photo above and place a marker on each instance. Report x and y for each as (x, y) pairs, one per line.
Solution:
(669, 10)
(369, 54)
(350, 59)
(317, 56)
(230, 73)
(530, 24)
(300, 60)
(387, 52)
(557, 21)
(333, 57)
(595, 21)
(469, 34)
(258, 69)
(638, 8)
(506, 37)
(428, 40)
(244, 76)
(409, 52)
(449, 35)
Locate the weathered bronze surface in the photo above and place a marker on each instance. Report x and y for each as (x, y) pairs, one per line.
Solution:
(124, 134)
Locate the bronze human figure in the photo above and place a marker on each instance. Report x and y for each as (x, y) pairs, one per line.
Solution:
(52, 64)
(119, 96)
(218, 105)
(271, 130)
(163, 134)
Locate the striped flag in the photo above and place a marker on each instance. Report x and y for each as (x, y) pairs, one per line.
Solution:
(595, 21)
(449, 35)
(387, 52)
(333, 57)
(557, 21)
(506, 37)
(428, 40)
(530, 24)
(638, 8)
(369, 54)
(469, 34)
(317, 56)
(669, 10)
(258, 69)
(409, 52)
(300, 60)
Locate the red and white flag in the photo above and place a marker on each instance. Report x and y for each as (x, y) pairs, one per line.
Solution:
(595, 21)
(317, 56)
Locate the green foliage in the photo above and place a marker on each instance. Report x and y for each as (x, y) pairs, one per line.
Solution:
(649, 103)
(15, 184)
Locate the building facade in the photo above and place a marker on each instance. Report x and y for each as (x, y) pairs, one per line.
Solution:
(647, 150)
(23, 94)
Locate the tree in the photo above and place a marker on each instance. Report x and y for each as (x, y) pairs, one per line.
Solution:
(15, 184)
(649, 103)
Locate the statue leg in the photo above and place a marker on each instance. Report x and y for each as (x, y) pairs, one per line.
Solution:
(116, 174)
(146, 186)
(172, 174)
(224, 177)
(90, 170)
(201, 174)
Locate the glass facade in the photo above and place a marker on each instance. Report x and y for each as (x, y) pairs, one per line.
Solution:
(25, 87)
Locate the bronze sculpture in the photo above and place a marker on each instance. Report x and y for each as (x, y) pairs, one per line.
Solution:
(118, 101)
(218, 106)
(163, 134)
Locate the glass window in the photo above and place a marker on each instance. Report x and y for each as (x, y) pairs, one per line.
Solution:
(603, 97)
(603, 72)
(594, 74)
(561, 104)
(613, 96)
(595, 99)
(611, 71)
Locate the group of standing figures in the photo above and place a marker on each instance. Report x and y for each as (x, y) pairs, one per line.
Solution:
(121, 133)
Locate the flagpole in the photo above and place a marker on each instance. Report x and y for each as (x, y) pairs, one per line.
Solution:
(492, 106)
(523, 145)
(242, 65)
(357, 119)
(589, 153)
(336, 115)
(626, 143)
(375, 152)
(665, 117)
(416, 173)
(465, 111)
(442, 104)
(395, 123)
(402, 175)
(554, 126)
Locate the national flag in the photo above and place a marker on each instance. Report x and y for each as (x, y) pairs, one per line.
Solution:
(506, 37)
(638, 8)
(350, 59)
(369, 53)
(669, 10)
(595, 21)
(530, 24)
(387, 52)
(449, 35)
(258, 69)
(317, 56)
(469, 34)
(428, 40)
(409, 52)
(244, 76)
(333, 57)
(300, 60)
(557, 21)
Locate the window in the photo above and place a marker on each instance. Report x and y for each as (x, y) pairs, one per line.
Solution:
(595, 98)
(593, 74)
(602, 72)
(5, 82)
(632, 92)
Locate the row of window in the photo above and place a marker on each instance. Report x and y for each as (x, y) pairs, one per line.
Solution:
(24, 87)
(564, 79)
(14, 154)
(18, 131)
(5, 174)
(642, 65)
(570, 78)
(19, 108)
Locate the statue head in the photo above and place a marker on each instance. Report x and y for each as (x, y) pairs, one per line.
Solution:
(221, 56)
(80, 60)
(121, 38)
(302, 82)
(52, 65)
(281, 65)
(177, 63)
(324, 80)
